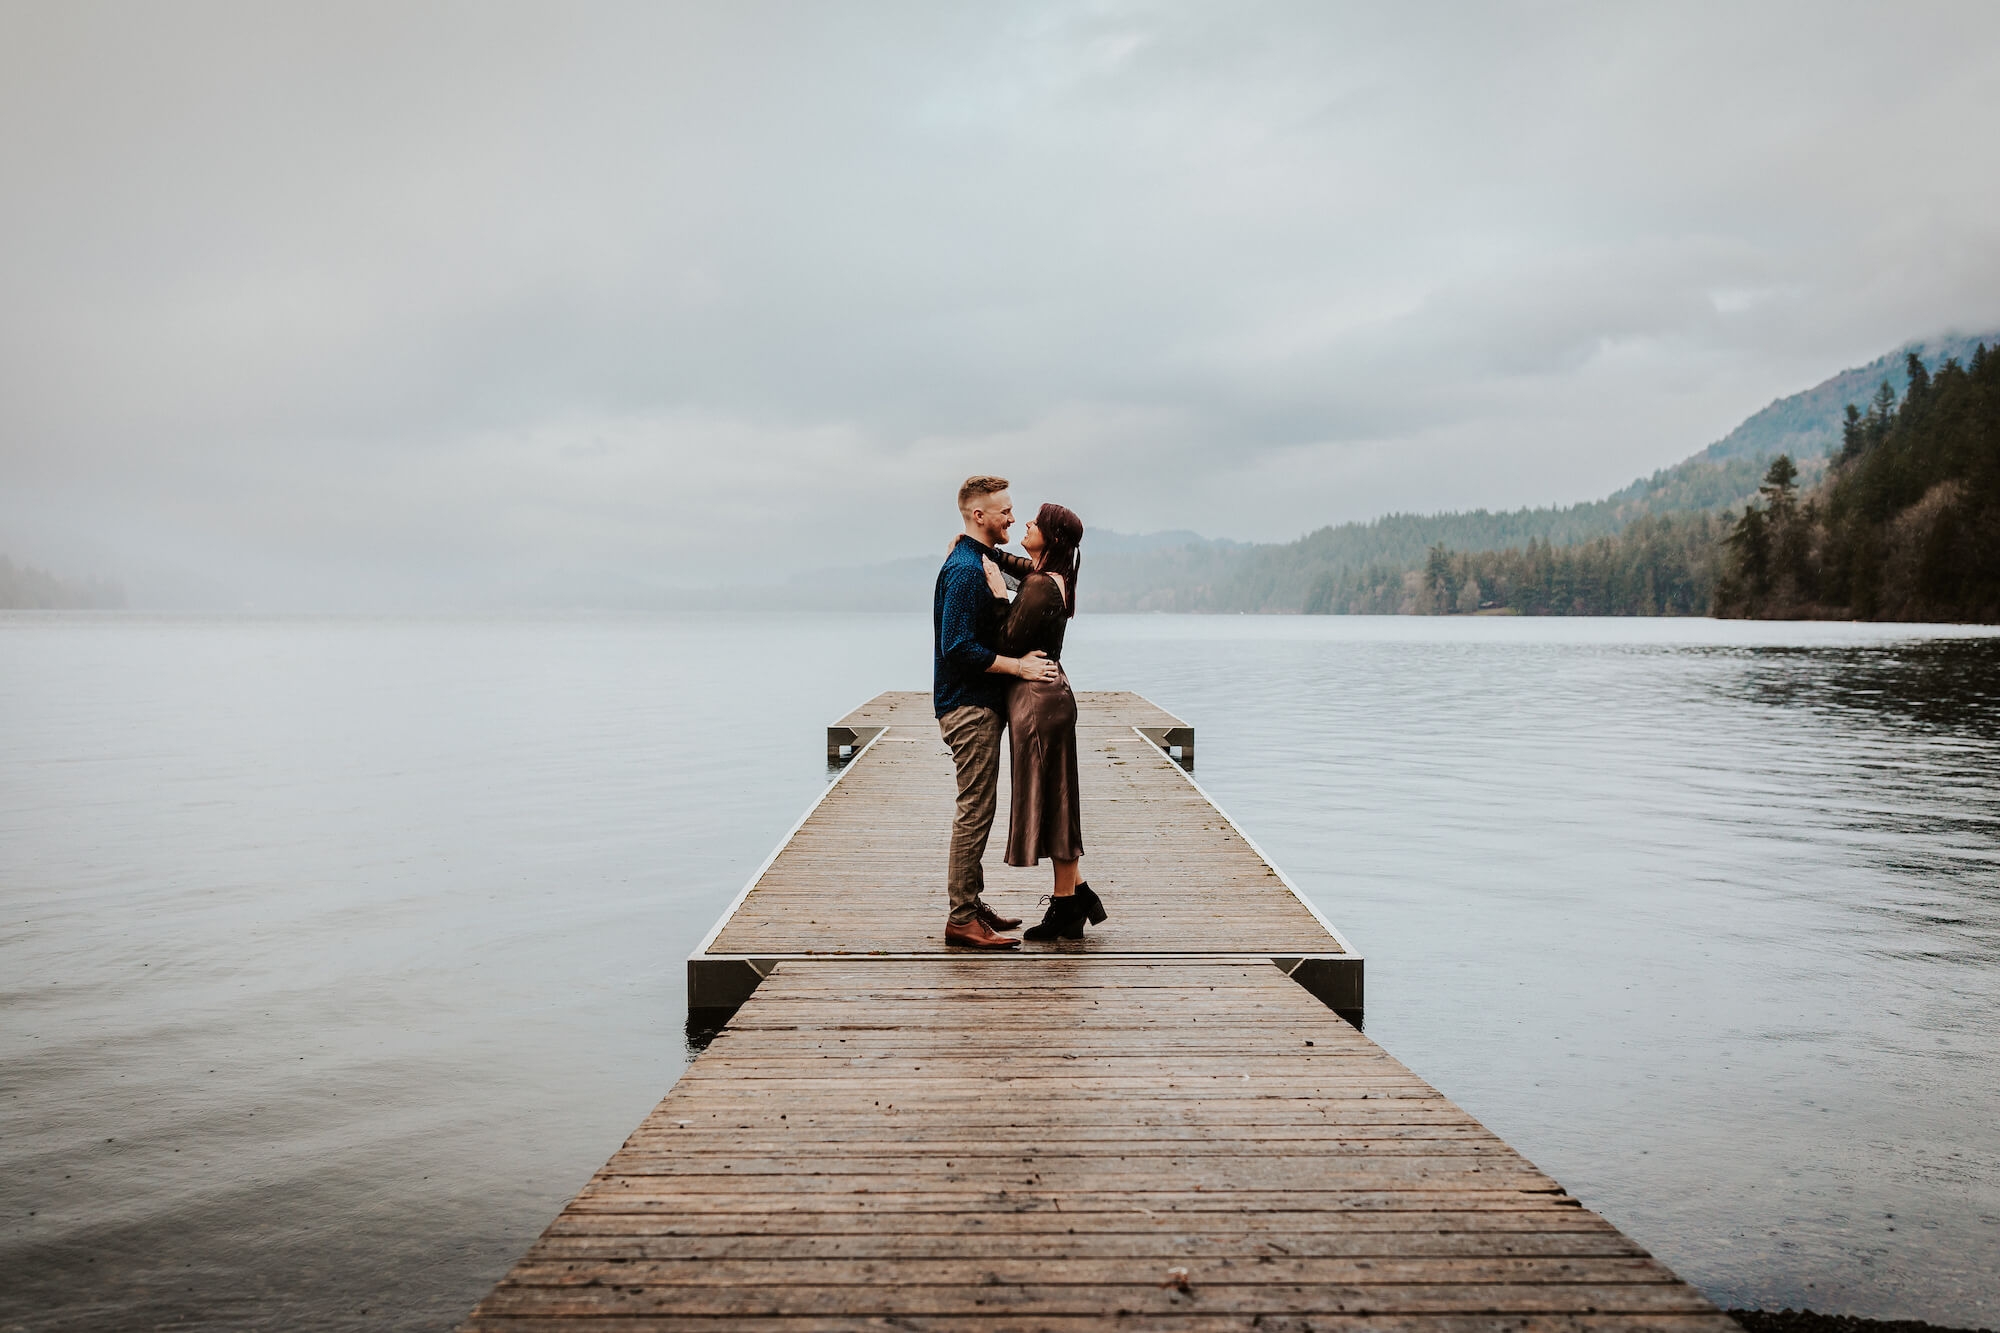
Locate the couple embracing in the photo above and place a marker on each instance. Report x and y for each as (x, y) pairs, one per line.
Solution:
(998, 664)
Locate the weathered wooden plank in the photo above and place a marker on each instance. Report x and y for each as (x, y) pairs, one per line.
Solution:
(1293, 1232)
(1071, 1204)
(1189, 1319)
(1136, 1133)
(1235, 1108)
(973, 1295)
(1094, 1271)
(1465, 1153)
(1212, 1245)
(973, 1182)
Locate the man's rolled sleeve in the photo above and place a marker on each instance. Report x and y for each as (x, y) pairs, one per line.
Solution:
(958, 635)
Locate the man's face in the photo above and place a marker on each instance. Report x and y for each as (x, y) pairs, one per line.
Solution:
(993, 515)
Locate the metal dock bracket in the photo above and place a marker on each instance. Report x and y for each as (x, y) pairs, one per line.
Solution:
(843, 743)
(1170, 739)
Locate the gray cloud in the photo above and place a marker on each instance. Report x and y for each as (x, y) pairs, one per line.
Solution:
(359, 302)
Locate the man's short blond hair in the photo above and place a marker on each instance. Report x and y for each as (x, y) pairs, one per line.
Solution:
(976, 488)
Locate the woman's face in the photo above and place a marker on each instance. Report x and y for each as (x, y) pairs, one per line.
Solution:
(1031, 538)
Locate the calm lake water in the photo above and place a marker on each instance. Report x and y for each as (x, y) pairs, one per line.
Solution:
(336, 953)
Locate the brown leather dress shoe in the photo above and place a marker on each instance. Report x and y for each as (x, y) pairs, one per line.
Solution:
(975, 935)
(994, 921)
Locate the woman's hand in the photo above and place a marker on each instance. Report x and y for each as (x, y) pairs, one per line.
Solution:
(994, 579)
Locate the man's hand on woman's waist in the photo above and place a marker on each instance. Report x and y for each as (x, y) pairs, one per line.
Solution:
(1037, 665)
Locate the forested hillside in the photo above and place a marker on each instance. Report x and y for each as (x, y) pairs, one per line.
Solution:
(1907, 526)
(1198, 576)
(1653, 548)
(1807, 426)
(1658, 566)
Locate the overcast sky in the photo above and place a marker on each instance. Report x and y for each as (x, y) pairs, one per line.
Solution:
(343, 303)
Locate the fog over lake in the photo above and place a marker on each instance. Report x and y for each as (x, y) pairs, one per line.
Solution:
(340, 951)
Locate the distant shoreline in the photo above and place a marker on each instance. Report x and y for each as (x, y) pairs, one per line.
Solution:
(1807, 1321)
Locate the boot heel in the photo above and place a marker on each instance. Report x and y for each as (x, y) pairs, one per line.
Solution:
(1093, 906)
(1064, 921)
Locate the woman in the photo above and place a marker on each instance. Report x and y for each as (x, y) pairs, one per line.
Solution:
(1045, 816)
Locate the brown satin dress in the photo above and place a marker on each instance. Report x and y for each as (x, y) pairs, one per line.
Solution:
(1045, 814)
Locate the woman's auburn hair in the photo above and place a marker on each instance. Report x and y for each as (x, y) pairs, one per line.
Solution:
(1062, 533)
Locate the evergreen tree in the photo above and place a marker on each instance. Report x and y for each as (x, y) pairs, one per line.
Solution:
(1881, 412)
(1441, 595)
(1780, 483)
(1918, 393)
(1319, 599)
(1749, 581)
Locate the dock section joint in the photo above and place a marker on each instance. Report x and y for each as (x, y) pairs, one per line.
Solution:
(843, 743)
(1170, 739)
(1334, 979)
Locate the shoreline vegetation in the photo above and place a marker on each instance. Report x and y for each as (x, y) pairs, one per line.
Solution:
(29, 588)
(1808, 1321)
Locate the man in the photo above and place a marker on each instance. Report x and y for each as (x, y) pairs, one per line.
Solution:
(969, 687)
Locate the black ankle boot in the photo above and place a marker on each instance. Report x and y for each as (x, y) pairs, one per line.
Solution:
(1064, 920)
(1093, 906)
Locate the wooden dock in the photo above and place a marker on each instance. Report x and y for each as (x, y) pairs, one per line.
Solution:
(1166, 1125)
(863, 873)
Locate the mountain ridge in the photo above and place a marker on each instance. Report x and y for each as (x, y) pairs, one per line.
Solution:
(1807, 423)
(1280, 576)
